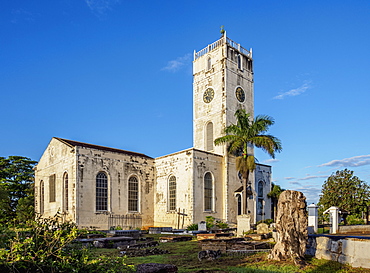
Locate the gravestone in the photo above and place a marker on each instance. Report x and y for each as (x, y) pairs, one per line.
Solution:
(291, 225)
(262, 228)
(202, 226)
(244, 224)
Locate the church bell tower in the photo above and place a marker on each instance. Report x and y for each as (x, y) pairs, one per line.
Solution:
(222, 83)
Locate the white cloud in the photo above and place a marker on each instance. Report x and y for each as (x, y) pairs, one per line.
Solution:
(294, 92)
(269, 161)
(100, 7)
(312, 177)
(355, 161)
(312, 193)
(308, 177)
(175, 65)
(295, 183)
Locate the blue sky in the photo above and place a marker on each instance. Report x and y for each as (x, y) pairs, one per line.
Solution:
(119, 73)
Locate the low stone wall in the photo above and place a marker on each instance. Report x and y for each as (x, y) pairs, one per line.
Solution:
(352, 250)
(358, 229)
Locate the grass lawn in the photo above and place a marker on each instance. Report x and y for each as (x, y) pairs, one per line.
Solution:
(185, 256)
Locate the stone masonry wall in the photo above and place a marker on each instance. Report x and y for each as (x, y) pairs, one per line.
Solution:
(119, 168)
(57, 160)
(353, 250)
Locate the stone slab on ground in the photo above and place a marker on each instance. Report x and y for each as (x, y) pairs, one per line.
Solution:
(175, 239)
(156, 268)
(159, 230)
(203, 236)
(258, 237)
(108, 242)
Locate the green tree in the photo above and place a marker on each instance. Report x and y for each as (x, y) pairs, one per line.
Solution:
(274, 195)
(16, 185)
(346, 191)
(243, 136)
(4, 202)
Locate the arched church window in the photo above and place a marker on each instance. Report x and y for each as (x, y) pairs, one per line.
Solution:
(101, 192)
(260, 203)
(208, 191)
(209, 136)
(65, 179)
(260, 189)
(209, 63)
(133, 194)
(239, 203)
(52, 188)
(42, 197)
(172, 193)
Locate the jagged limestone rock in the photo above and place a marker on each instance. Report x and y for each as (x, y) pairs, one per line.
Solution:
(291, 225)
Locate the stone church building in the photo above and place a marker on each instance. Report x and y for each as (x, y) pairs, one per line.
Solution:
(101, 187)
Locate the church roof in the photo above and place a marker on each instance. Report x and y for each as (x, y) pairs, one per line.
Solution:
(97, 147)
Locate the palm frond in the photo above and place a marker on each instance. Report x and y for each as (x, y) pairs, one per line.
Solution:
(248, 131)
(267, 143)
(224, 139)
(245, 164)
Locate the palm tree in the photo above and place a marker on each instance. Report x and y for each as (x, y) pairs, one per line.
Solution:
(248, 132)
(274, 194)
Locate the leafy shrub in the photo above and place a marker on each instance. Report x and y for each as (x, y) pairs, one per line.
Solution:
(221, 224)
(47, 245)
(5, 235)
(83, 233)
(210, 222)
(251, 231)
(192, 227)
(266, 221)
(354, 220)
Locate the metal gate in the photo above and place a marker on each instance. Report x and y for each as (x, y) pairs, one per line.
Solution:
(129, 221)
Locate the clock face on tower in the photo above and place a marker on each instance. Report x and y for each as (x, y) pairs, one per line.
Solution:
(240, 95)
(208, 95)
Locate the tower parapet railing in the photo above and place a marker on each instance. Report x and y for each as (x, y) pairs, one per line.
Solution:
(220, 42)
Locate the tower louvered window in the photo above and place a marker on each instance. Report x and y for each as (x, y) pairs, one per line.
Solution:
(209, 136)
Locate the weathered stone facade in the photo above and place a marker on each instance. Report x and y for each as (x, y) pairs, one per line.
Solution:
(90, 184)
(75, 196)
